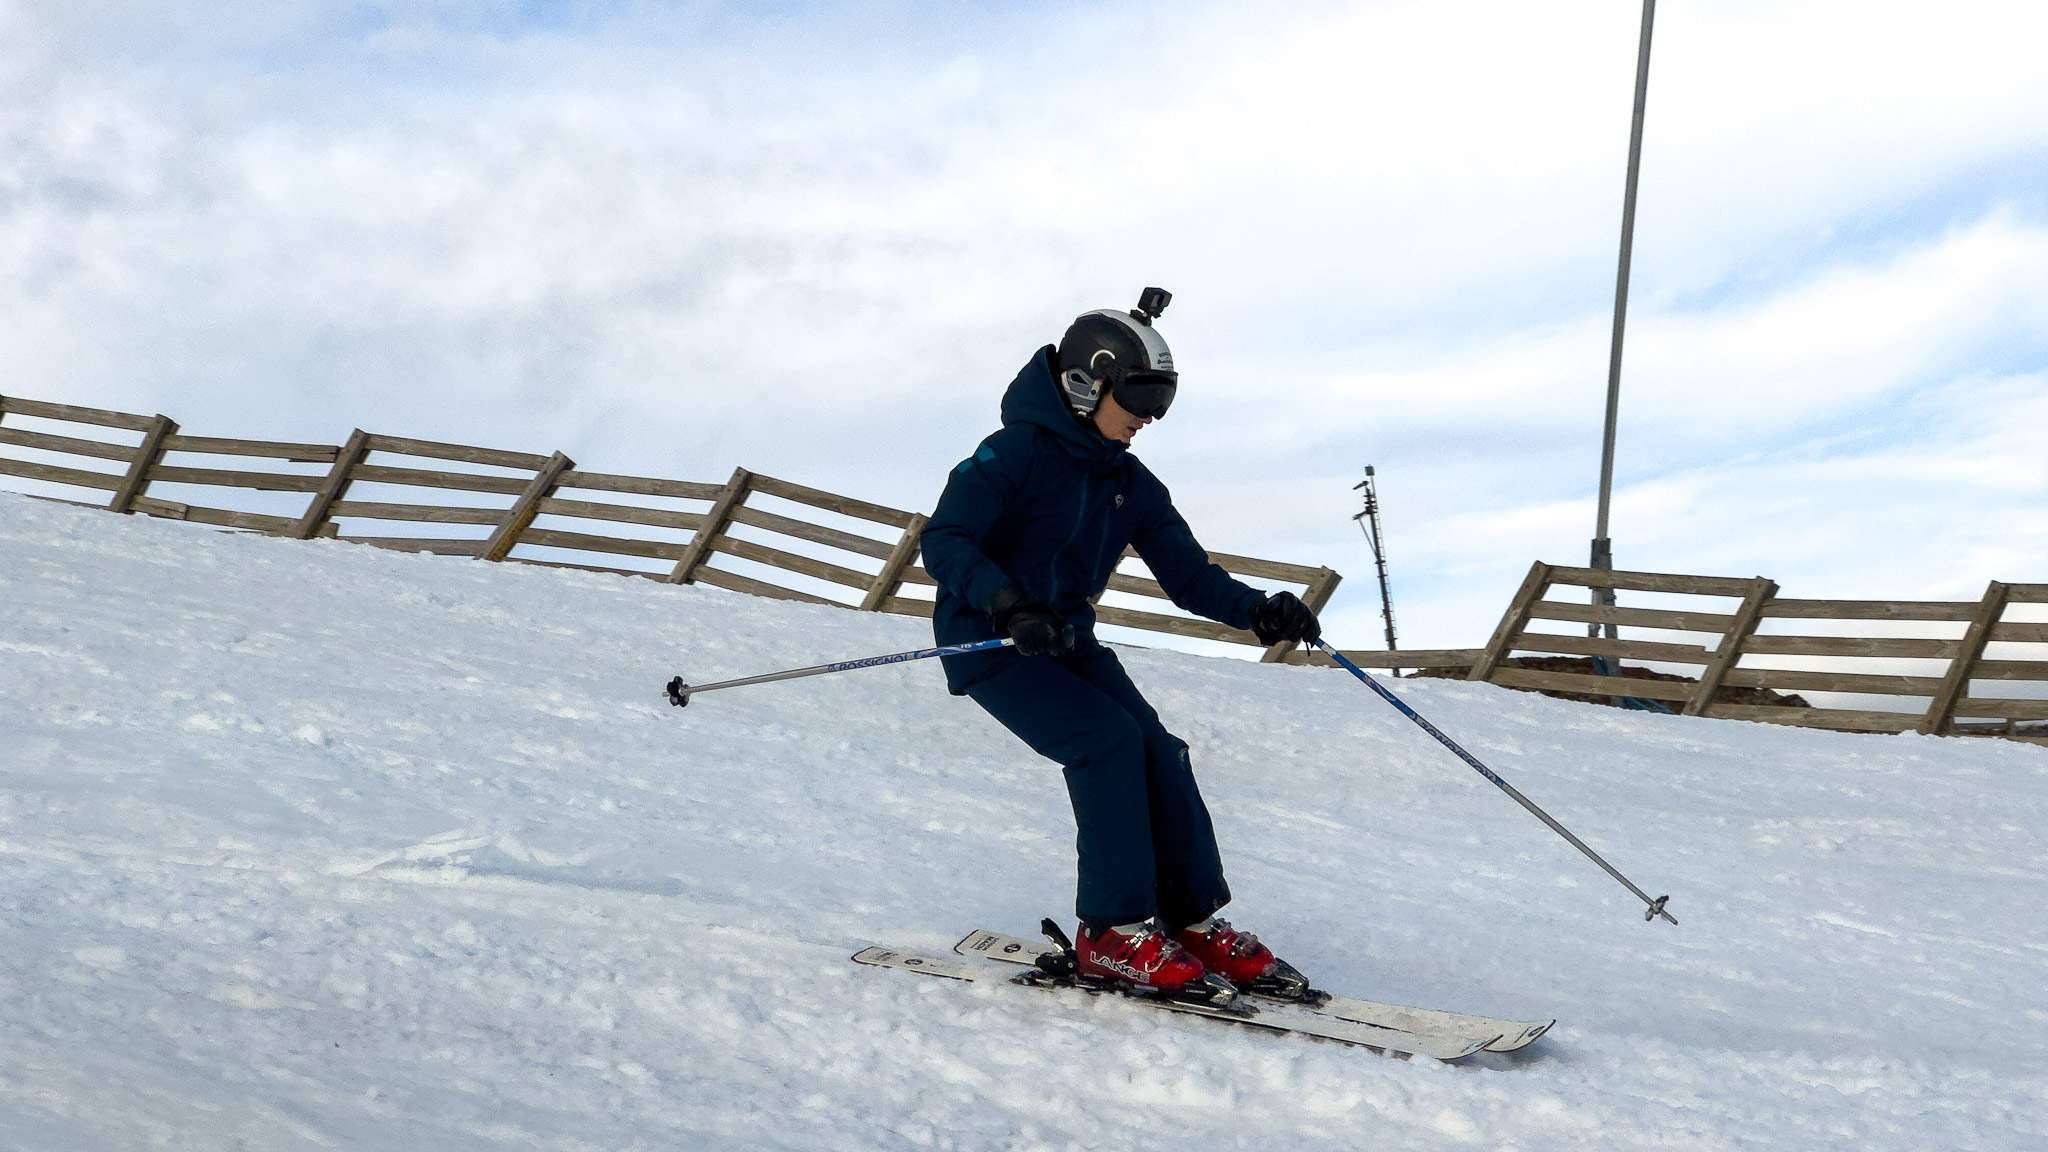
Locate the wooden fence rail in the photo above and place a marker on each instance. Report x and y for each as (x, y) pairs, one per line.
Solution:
(537, 509)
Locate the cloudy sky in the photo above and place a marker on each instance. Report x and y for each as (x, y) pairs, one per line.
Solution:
(816, 239)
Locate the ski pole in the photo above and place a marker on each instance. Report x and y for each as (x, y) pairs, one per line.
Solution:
(1656, 906)
(679, 693)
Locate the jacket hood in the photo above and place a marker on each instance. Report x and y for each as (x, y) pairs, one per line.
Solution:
(1034, 398)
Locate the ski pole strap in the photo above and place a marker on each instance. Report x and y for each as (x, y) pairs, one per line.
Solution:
(679, 693)
(1655, 906)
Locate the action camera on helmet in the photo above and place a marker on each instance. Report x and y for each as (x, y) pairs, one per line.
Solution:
(1151, 303)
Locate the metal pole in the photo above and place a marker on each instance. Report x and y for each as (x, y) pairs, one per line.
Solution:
(1655, 905)
(679, 693)
(1603, 550)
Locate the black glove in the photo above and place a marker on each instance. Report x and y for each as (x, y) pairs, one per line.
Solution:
(1282, 616)
(1037, 629)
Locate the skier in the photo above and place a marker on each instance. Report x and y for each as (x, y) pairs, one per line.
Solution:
(1027, 533)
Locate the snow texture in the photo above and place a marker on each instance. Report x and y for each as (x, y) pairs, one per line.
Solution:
(308, 845)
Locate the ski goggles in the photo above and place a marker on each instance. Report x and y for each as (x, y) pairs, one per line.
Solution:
(1146, 395)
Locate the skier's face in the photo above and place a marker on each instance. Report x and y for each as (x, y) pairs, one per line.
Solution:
(1116, 424)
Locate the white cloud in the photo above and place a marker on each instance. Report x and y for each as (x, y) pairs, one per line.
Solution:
(674, 241)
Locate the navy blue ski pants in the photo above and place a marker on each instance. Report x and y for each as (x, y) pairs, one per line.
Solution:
(1147, 846)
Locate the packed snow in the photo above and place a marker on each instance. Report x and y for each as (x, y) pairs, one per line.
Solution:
(309, 845)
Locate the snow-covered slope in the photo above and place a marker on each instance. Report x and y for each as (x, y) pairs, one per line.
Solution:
(310, 845)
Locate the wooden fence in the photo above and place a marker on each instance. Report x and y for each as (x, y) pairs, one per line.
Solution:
(528, 508)
(533, 509)
(1739, 622)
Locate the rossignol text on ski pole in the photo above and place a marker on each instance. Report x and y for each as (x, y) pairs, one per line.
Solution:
(679, 693)
(1656, 906)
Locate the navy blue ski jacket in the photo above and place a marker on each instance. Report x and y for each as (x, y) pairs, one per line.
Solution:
(1049, 504)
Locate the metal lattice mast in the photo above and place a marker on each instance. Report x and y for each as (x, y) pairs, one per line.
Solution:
(1369, 523)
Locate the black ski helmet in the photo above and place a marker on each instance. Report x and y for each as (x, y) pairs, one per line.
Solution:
(1122, 354)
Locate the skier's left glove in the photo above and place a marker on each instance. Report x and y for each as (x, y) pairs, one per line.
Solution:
(1035, 627)
(1282, 616)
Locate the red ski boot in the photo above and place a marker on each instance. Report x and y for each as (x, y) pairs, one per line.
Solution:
(1148, 960)
(1239, 958)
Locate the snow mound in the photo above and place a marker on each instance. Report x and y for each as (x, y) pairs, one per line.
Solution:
(312, 845)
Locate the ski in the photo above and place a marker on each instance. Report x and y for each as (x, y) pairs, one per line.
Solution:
(1377, 1038)
(1510, 1034)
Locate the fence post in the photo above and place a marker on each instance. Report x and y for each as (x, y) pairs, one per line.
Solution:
(519, 517)
(1941, 710)
(1534, 585)
(334, 487)
(715, 520)
(1739, 632)
(1320, 588)
(890, 578)
(147, 454)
